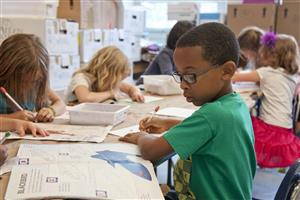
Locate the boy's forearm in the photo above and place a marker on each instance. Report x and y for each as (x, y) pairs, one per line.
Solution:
(172, 122)
(153, 148)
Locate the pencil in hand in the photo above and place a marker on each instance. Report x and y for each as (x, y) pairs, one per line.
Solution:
(153, 113)
(3, 90)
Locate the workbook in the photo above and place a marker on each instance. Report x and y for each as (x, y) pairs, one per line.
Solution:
(65, 132)
(82, 171)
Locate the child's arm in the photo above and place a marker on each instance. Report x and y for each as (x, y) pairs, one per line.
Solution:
(157, 124)
(56, 108)
(148, 143)
(3, 154)
(84, 95)
(246, 76)
(21, 127)
(22, 115)
(57, 103)
(134, 92)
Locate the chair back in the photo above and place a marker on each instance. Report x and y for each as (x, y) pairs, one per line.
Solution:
(290, 185)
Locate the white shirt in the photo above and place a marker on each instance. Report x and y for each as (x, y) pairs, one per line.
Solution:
(78, 80)
(278, 89)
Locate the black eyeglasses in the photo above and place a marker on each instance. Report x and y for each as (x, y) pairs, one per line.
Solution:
(192, 77)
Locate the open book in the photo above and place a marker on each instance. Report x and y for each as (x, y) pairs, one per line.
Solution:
(85, 171)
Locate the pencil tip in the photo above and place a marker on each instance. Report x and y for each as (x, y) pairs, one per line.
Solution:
(2, 89)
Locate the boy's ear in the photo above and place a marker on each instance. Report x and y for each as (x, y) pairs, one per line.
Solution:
(228, 69)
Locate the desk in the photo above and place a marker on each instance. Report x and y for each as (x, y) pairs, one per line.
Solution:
(136, 112)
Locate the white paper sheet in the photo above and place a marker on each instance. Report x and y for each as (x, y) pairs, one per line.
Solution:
(131, 129)
(243, 87)
(70, 133)
(123, 131)
(148, 99)
(176, 112)
(88, 171)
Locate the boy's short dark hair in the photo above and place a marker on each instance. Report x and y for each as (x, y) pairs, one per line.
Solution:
(218, 42)
(177, 31)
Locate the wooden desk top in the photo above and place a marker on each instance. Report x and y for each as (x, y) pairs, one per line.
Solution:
(136, 112)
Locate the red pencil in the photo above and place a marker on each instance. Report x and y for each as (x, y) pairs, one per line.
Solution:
(2, 90)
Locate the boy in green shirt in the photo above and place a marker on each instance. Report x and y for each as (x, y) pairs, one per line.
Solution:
(215, 144)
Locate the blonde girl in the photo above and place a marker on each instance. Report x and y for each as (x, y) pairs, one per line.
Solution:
(24, 74)
(275, 143)
(102, 78)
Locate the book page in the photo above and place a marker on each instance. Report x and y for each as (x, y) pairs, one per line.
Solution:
(62, 132)
(107, 171)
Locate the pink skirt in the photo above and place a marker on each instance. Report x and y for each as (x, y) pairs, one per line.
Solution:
(274, 146)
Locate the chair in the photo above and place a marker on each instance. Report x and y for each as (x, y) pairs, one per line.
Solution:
(296, 111)
(170, 165)
(290, 185)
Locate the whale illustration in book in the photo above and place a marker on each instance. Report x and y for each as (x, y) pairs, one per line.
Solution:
(115, 157)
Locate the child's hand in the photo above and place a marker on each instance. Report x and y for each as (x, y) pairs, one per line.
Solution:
(137, 96)
(45, 115)
(23, 115)
(23, 127)
(132, 137)
(3, 154)
(115, 93)
(155, 125)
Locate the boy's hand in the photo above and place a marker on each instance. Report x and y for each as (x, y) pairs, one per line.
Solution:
(45, 115)
(23, 115)
(23, 127)
(155, 125)
(132, 137)
(3, 154)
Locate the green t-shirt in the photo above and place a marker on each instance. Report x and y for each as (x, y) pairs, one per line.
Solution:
(218, 142)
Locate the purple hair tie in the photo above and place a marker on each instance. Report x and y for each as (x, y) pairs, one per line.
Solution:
(268, 40)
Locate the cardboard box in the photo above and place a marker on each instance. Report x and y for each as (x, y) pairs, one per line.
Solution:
(98, 114)
(58, 35)
(241, 16)
(41, 8)
(288, 21)
(61, 69)
(90, 14)
(91, 41)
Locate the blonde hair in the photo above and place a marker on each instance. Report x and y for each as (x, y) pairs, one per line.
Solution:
(249, 38)
(285, 52)
(24, 69)
(106, 69)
